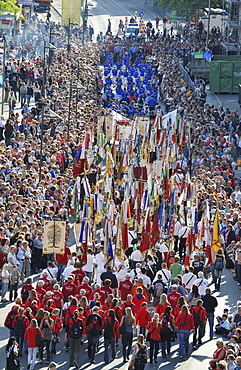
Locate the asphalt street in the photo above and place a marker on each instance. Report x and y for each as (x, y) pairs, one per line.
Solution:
(198, 360)
(101, 11)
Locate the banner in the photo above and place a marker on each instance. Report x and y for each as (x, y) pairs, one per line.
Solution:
(54, 237)
(71, 10)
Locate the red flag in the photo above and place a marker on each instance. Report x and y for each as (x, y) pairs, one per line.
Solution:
(79, 167)
(155, 232)
(83, 253)
(208, 252)
(125, 242)
(145, 241)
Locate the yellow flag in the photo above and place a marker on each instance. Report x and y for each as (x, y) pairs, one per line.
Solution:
(216, 242)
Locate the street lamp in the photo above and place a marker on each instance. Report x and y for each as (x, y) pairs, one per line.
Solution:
(68, 45)
(51, 115)
(72, 87)
(85, 16)
(3, 70)
(207, 37)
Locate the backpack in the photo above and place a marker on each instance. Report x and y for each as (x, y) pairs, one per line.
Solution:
(218, 264)
(25, 295)
(141, 356)
(197, 318)
(39, 338)
(76, 329)
(9, 319)
(19, 327)
(13, 361)
(94, 328)
(109, 330)
(158, 289)
(166, 328)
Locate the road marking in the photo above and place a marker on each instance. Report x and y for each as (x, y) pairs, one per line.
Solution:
(122, 7)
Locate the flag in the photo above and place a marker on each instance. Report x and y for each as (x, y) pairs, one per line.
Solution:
(155, 231)
(145, 241)
(110, 254)
(79, 163)
(216, 242)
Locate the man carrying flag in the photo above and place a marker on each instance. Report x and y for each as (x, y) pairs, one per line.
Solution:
(219, 259)
(216, 241)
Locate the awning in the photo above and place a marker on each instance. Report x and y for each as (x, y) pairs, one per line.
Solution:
(28, 3)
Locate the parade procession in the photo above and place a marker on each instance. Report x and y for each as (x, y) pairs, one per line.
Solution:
(120, 213)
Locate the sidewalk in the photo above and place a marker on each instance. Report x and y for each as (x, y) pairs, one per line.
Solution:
(226, 100)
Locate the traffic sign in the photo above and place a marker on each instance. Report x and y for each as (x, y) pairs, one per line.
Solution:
(141, 14)
(135, 12)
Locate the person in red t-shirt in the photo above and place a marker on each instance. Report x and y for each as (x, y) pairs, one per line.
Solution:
(128, 303)
(184, 323)
(173, 296)
(125, 287)
(26, 288)
(154, 327)
(58, 325)
(62, 261)
(143, 317)
(79, 274)
(162, 305)
(200, 317)
(32, 297)
(170, 258)
(138, 299)
(58, 296)
(40, 290)
(102, 296)
(69, 288)
(85, 285)
(106, 287)
(108, 303)
(45, 280)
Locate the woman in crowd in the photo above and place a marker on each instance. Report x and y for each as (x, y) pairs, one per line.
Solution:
(219, 263)
(162, 305)
(111, 332)
(185, 323)
(129, 322)
(218, 355)
(32, 345)
(167, 331)
(46, 326)
(154, 328)
(13, 362)
(193, 296)
(139, 355)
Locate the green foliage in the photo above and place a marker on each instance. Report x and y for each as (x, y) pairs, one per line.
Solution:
(187, 8)
(8, 6)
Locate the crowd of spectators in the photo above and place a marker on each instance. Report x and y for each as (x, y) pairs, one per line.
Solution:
(58, 121)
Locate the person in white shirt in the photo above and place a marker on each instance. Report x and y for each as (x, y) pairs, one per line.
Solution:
(121, 269)
(134, 272)
(237, 193)
(51, 270)
(165, 273)
(136, 257)
(202, 283)
(183, 234)
(189, 278)
(146, 279)
(100, 262)
(89, 266)
(67, 271)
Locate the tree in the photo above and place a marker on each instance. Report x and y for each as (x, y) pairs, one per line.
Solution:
(187, 8)
(8, 6)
